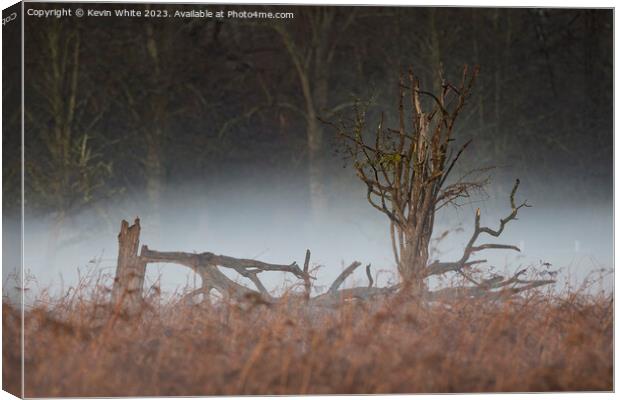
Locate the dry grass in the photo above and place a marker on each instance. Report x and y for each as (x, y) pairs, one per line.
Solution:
(542, 343)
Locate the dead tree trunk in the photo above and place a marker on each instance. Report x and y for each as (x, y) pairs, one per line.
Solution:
(130, 269)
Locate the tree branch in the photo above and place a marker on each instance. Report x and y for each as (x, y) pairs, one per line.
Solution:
(343, 275)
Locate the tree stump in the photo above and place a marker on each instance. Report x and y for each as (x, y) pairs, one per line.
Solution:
(130, 270)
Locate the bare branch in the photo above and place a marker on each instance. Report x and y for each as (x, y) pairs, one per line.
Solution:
(343, 275)
(369, 275)
(471, 248)
(307, 285)
(453, 162)
(440, 268)
(488, 246)
(210, 259)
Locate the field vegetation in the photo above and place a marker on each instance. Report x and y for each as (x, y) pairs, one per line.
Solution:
(540, 341)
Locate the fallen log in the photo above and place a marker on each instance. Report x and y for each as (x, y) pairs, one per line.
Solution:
(127, 292)
(131, 267)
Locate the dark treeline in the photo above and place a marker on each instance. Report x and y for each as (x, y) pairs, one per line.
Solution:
(119, 107)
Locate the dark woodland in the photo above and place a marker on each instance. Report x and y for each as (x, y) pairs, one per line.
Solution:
(163, 101)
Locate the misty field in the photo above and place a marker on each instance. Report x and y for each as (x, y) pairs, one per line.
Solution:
(542, 342)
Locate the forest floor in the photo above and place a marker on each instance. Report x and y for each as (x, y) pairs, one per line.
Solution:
(539, 343)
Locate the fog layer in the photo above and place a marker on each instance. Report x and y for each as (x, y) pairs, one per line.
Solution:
(248, 220)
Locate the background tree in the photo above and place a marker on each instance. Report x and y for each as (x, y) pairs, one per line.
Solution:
(150, 98)
(65, 168)
(312, 60)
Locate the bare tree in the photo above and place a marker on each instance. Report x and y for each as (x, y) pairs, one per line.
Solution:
(406, 173)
